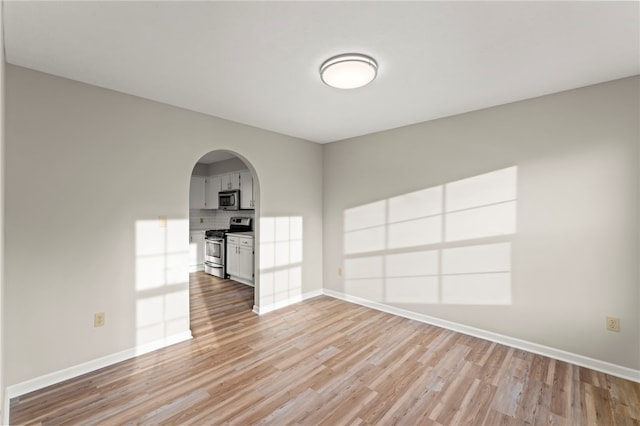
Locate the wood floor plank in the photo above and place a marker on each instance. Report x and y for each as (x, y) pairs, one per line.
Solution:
(328, 362)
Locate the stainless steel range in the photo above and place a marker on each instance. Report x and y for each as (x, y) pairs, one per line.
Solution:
(215, 246)
(214, 252)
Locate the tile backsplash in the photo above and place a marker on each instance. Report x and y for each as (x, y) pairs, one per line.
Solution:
(214, 219)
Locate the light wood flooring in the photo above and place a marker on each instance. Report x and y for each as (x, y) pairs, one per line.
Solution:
(325, 361)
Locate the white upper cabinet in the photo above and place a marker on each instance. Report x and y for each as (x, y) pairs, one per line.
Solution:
(246, 190)
(204, 191)
(230, 181)
(197, 192)
(212, 187)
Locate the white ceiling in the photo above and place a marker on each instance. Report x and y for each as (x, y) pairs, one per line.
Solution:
(257, 62)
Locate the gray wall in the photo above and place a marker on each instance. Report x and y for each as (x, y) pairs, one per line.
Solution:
(87, 168)
(574, 254)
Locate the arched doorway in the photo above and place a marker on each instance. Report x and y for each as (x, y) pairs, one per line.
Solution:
(224, 217)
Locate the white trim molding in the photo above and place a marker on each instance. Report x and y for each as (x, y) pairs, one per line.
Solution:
(86, 367)
(242, 281)
(558, 354)
(260, 310)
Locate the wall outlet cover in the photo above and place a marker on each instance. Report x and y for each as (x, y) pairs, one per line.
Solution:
(613, 324)
(162, 221)
(98, 319)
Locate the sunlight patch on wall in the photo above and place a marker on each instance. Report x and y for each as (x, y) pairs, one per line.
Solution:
(415, 219)
(161, 316)
(436, 245)
(487, 221)
(280, 259)
(481, 206)
(162, 279)
(477, 275)
(162, 255)
(412, 276)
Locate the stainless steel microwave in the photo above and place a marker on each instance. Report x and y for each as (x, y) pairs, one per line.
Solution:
(229, 200)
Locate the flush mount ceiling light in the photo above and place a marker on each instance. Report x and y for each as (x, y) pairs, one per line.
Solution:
(349, 71)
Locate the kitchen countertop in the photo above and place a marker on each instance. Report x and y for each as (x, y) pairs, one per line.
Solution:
(245, 234)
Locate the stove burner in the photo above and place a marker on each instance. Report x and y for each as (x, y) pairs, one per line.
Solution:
(215, 233)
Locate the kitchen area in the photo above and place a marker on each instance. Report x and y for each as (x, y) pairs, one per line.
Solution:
(222, 218)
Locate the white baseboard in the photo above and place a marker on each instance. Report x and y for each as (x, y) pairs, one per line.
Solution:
(286, 302)
(242, 281)
(86, 367)
(583, 361)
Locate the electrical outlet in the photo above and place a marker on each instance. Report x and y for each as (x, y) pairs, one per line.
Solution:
(201, 220)
(98, 319)
(613, 324)
(162, 221)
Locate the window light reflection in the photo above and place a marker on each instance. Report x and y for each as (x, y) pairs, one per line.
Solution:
(430, 246)
(281, 253)
(162, 279)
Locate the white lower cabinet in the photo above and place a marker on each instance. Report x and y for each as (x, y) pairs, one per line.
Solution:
(196, 251)
(240, 258)
(245, 267)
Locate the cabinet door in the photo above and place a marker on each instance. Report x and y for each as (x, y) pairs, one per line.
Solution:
(230, 181)
(246, 190)
(233, 259)
(245, 267)
(235, 180)
(225, 183)
(212, 188)
(196, 192)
